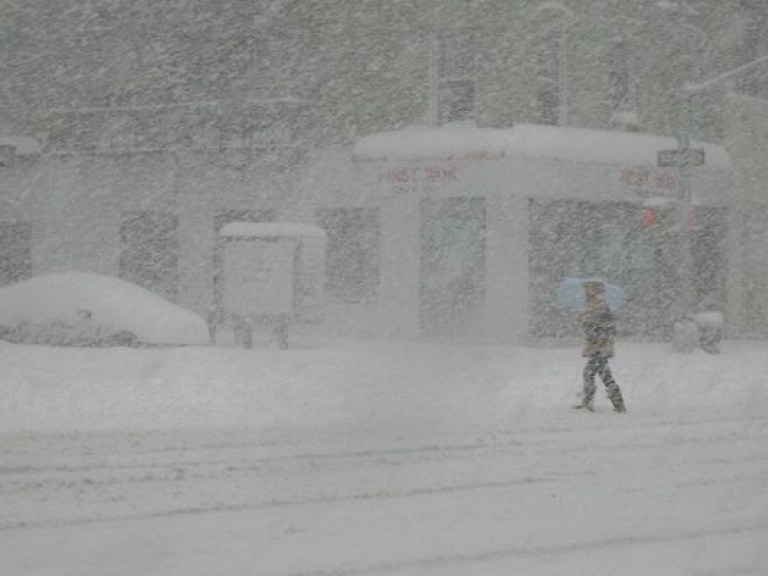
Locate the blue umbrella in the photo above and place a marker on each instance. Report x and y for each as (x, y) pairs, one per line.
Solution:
(571, 293)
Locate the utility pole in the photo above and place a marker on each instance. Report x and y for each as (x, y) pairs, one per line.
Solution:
(686, 292)
(685, 246)
(685, 157)
(684, 161)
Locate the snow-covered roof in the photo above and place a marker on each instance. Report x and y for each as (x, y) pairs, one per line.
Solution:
(271, 230)
(465, 142)
(22, 144)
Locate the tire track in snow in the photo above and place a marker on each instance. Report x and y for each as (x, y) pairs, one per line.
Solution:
(276, 503)
(14, 480)
(377, 493)
(339, 455)
(599, 425)
(266, 460)
(182, 471)
(470, 559)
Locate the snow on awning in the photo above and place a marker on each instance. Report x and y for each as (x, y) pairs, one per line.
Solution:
(271, 230)
(462, 142)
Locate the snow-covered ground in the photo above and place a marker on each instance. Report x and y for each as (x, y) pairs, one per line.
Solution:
(344, 458)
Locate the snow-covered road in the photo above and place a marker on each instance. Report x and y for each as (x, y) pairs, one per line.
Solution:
(610, 495)
(396, 459)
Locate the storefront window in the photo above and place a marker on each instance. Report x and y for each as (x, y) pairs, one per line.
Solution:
(452, 265)
(577, 238)
(352, 257)
(149, 251)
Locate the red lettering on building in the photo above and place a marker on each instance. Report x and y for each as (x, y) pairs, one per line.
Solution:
(635, 176)
(665, 181)
(440, 174)
(644, 177)
(432, 174)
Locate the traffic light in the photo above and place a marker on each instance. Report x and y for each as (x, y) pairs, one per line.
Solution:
(664, 215)
(660, 214)
(649, 217)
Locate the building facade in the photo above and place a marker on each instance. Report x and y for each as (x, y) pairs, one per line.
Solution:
(112, 73)
(158, 123)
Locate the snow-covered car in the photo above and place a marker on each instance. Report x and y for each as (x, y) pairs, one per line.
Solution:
(84, 309)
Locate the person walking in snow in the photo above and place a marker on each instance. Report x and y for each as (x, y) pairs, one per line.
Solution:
(599, 325)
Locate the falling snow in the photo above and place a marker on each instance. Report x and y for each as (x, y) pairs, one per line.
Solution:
(279, 286)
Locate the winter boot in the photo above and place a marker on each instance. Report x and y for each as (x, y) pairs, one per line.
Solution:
(585, 405)
(587, 398)
(614, 394)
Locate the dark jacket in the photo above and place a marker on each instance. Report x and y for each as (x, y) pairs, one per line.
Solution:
(599, 332)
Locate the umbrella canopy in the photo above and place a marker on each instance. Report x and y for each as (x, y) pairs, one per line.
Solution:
(571, 293)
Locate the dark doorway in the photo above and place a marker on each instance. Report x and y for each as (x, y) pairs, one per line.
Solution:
(352, 253)
(15, 252)
(149, 251)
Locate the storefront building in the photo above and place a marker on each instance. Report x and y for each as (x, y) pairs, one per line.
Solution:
(465, 233)
(430, 233)
(151, 218)
(454, 232)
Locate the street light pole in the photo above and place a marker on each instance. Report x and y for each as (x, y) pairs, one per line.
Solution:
(684, 158)
(683, 241)
(686, 290)
(685, 192)
(687, 91)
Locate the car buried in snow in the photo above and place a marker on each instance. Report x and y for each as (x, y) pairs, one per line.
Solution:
(83, 309)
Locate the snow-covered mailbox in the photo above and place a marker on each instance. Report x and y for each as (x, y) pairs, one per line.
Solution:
(270, 276)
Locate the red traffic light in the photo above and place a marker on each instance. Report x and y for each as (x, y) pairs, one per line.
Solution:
(649, 217)
(665, 217)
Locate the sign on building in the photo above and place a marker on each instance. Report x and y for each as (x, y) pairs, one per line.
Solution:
(677, 157)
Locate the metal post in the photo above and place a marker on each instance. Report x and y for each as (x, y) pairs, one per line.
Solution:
(685, 246)
(683, 143)
(685, 297)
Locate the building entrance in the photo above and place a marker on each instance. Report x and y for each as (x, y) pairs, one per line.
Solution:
(452, 265)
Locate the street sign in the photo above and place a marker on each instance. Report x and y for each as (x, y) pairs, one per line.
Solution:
(677, 157)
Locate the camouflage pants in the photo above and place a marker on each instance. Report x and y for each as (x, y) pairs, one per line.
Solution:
(597, 365)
